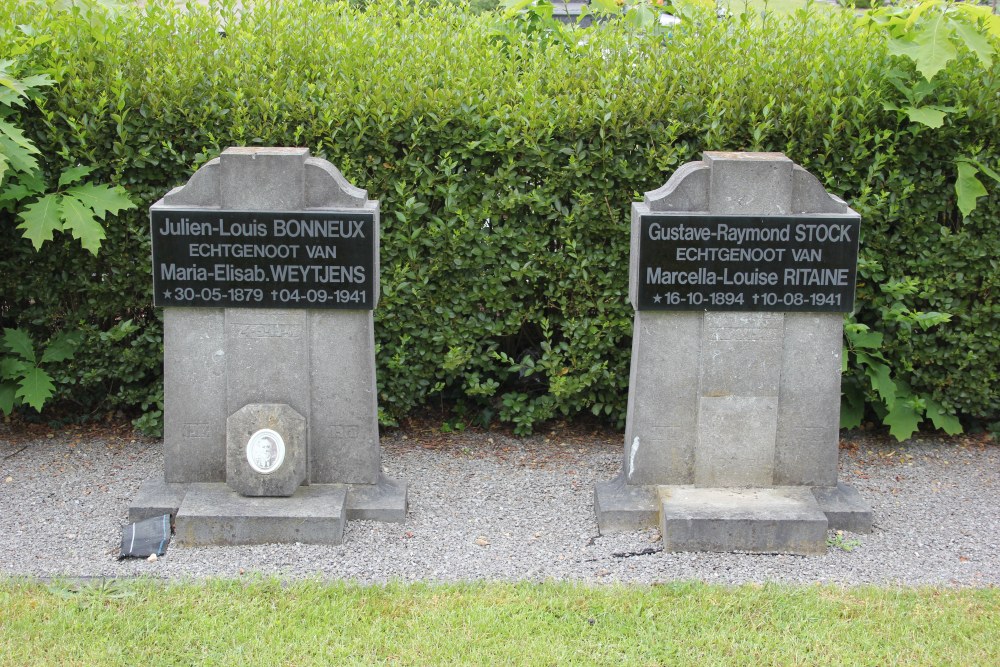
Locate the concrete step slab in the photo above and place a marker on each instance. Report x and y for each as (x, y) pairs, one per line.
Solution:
(755, 520)
(214, 514)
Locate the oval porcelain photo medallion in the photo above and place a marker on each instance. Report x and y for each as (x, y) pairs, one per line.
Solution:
(265, 451)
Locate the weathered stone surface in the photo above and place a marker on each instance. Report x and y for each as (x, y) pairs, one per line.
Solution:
(738, 398)
(809, 195)
(768, 520)
(326, 187)
(290, 426)
(749, 183)
(844, 507)
(386, 500)
(155, 498)
(741, 354)
(661, 435)
(194, 395)
(214, 514)
(806, 447)
(263, 178)
(686, 190)
(344, 412)
(622, 507)
(735, 441)
(267, 358)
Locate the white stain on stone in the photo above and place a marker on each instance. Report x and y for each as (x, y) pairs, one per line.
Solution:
(631, 456)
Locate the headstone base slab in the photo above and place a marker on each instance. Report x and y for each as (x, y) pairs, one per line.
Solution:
(212, 514)
(156, 497)
(756, 520)
(623, 507)
(844, 507)
(385, 501)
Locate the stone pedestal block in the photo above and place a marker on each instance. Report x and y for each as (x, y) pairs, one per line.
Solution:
(621, 506)
(769, 520)
(215, 515)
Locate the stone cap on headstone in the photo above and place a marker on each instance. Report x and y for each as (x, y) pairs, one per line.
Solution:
(249, 178)
(749, 175)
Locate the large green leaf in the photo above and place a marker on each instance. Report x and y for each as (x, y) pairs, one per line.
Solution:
(10, 82)
(9, 98)
(35, 388)
(976, 41)
(929, 47)
(62, 347)
(101, 198)
(930, 116)
(36, 81)
(8, 391)
(902, 420)
(11, 368)
(15, 134)
(880, 378)
(13, 90)
(852, 408)
(80, 220)
(931, 318)
(41, 218)
(640, 16)
(27, 185)
(942, 420)
(984, 169)
(74, 174)
(918, 11)
(19, 157)
(936, 47)
(516, 5)
(19, 343)
(968, 188)
(865, 339)
(976, 13)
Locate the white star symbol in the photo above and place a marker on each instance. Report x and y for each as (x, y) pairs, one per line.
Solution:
(166, 295)
(657, 298)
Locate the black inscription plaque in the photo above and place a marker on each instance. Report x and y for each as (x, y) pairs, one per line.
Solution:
(751, 263)
(252, 259)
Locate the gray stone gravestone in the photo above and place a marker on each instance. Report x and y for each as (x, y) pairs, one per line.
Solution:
(266, 265)
(741, 268)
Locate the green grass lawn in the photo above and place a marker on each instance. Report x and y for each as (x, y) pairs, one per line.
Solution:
(265, 622)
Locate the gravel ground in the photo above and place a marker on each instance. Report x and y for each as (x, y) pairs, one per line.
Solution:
(493, 507)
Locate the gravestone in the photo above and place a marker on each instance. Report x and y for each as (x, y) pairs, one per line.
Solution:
(741, 268)
(266, 264)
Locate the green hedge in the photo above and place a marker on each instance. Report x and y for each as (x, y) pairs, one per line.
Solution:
(505, 169)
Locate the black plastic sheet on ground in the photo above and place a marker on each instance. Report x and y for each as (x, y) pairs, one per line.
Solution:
(147, 537)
